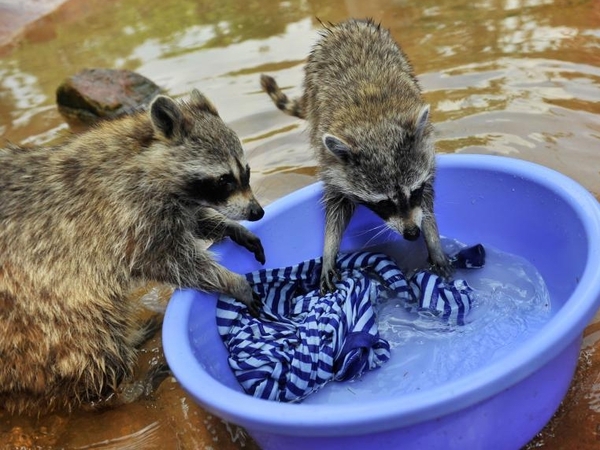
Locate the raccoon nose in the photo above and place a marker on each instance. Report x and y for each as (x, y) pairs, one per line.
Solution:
(412, 233)
(255, 213)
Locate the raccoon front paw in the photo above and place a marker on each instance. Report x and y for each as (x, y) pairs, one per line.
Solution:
(251, 299)
(441, 267)
(250, 242)
(255, 246)
(327, 284)
(155, 377)
(256, 305)
(130, 392)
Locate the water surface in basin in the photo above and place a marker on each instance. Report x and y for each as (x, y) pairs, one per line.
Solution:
(510, 304)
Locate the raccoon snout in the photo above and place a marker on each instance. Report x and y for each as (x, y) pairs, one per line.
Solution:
(255, 212)
(412, 233)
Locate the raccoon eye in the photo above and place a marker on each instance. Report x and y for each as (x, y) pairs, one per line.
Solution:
(210, 189)
(384, 208)
(416, 196)
(226, 182)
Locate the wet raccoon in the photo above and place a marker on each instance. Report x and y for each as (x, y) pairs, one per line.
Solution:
(84, 222)
(371, 131)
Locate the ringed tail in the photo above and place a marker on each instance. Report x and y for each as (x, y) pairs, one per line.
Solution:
(292, 107)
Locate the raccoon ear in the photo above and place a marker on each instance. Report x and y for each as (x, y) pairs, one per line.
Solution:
(338, 147)
(199, 101)
(422, 119)
(166, 116)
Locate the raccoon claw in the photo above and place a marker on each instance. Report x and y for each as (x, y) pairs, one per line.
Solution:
(259, 252)
(155, 377)
(255, 305)
(250, 242)
(243, 293)
(328, 282)
(255, 246)
(141, 389)
(443, 269)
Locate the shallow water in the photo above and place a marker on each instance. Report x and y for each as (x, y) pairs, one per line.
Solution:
(510, 303)
(511, 77)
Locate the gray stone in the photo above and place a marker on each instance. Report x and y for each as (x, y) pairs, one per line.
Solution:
(96, 94)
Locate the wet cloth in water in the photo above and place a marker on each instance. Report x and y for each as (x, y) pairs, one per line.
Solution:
(302, 339)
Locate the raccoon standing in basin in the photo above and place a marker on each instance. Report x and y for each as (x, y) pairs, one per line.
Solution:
(373, 138)
(84, 222)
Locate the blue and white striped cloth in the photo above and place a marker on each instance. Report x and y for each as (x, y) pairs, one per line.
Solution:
(303, 340)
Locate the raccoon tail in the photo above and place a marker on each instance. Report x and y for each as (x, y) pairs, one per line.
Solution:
(293, 107)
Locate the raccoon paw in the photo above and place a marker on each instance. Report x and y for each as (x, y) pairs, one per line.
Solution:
(155, 377)
(255, 306)
(255, 246)
(328, 278)
(251, 299)
(249, 241)
(132, 391)
(442, 267)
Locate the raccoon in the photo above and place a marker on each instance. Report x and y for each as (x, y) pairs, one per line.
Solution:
(370, 128)
(83, 223)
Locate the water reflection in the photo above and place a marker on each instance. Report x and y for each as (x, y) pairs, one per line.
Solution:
(511, 77)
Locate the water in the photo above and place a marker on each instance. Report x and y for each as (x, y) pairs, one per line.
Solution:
(510, 304)
(511, 77)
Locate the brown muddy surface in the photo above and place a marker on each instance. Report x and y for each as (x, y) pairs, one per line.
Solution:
(510, 77)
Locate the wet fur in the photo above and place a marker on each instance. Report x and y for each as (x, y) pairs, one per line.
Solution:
(370, 129)
(83, 223)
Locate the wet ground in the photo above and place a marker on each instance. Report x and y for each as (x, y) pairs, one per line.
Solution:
(510, 77)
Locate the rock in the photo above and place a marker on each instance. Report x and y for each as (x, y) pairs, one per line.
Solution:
(96, 94)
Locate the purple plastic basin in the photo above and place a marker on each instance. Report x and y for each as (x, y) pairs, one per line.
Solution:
(513, 205)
